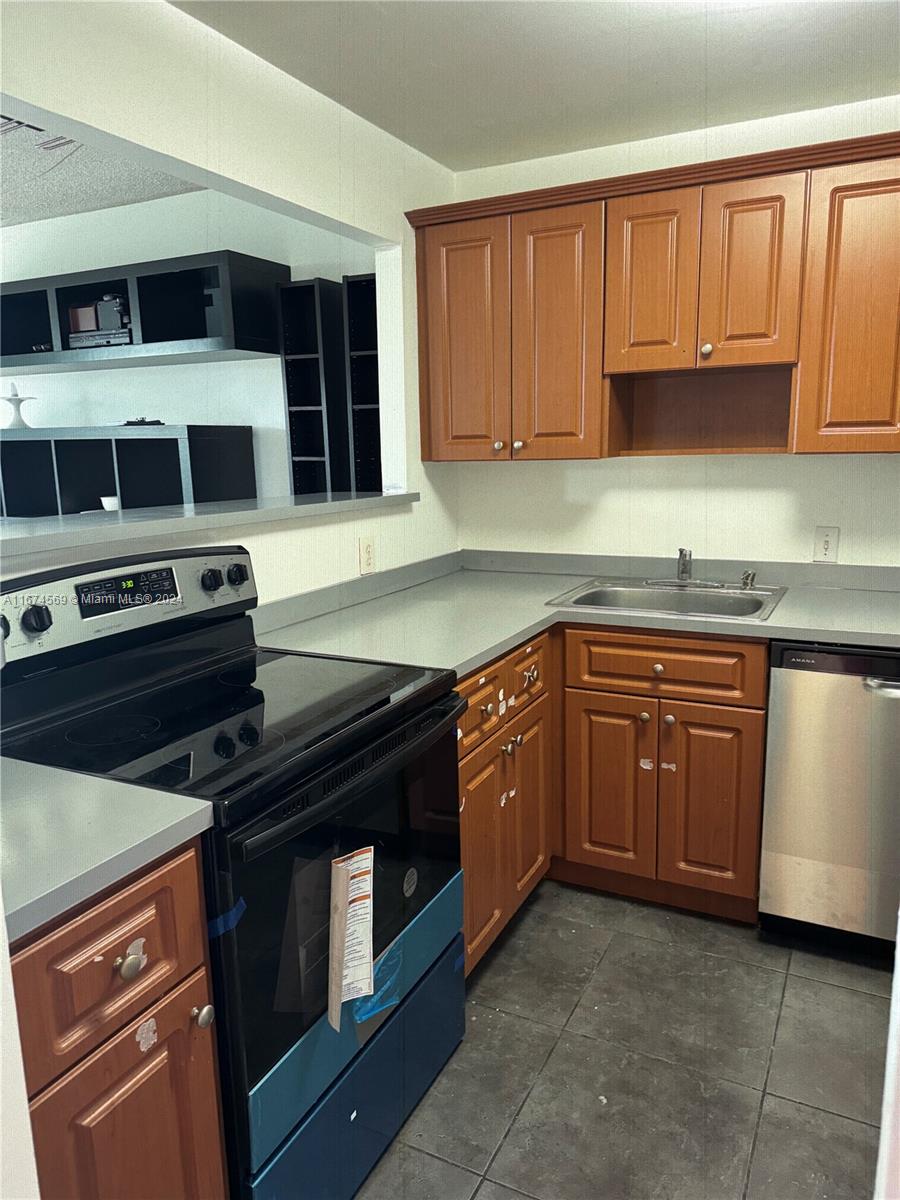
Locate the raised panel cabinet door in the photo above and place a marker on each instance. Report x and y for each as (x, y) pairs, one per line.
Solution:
(652, 273)
(466, 370)
(848, 384)
(139, 1118)
(483, 789)
(557, 306)
(710, 796)
(484, 696)
(751, 266)
(611, 775)
(528, 799)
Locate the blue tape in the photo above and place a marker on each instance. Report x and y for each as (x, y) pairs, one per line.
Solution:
(386, 978)
(227, 921)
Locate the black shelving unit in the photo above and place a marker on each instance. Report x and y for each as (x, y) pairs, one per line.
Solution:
(315, 386)
(361, 366)
(46, 472)
(194, 308)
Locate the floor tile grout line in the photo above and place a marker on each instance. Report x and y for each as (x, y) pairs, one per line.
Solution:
(830, 1111)
(762, 1099)
(679, 1066)
(515, 1115)
(845, 987)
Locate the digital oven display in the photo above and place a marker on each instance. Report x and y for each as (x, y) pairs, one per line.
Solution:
(126, 591)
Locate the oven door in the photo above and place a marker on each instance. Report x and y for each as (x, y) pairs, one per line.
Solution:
(273, 960)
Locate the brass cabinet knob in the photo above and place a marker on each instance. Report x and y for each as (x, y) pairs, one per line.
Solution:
(499, 445)
(531, 674)
(520, 739)
(487, 709)
(644, 717)
(508, 748)
(203, 1017)
(706, 349)
(129, 966)
(517, 445)
(669, 719)
(658, 669)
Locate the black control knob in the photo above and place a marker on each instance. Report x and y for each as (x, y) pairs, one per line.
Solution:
(37, 618)
(248, 734)
(211, 579)
(224, 746)
(4, 627)
(237, 574)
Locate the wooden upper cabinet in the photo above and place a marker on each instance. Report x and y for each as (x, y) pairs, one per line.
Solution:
(848, 391)
(710, 796)
(557, 300)
(611, 781)
(751, 264)
(465, 363)
(139, 1118)
(652, 255)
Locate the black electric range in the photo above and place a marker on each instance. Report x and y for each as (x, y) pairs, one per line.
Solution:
(147, 671)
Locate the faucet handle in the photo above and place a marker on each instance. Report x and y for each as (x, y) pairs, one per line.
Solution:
(748, 579)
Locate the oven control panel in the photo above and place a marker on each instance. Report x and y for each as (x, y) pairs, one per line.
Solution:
(51, 611)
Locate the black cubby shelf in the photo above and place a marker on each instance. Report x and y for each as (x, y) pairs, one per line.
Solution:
(197, 308)
(315, 386)
(361, 364)
(45, 472)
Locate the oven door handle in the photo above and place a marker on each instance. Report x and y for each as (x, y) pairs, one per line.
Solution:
(252, 845)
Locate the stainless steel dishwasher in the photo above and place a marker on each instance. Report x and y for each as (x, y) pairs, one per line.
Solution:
(831, 817)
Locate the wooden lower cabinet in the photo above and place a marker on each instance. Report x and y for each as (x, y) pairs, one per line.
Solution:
(710, 790)
(504, 790)
(139, 1118)
(665, 790)
(482, 846)
(611, 781)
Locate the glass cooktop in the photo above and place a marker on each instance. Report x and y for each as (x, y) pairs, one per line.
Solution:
(220, 731)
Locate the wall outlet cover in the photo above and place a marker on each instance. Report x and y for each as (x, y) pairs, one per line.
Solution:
(366, 556)
(825, 547)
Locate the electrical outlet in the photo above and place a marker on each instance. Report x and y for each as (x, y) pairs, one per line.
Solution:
(366, 556)
(825, 547)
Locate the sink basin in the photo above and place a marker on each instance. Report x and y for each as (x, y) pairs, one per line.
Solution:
(702, 600)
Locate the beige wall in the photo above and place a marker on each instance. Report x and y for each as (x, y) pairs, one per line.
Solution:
(754, 507)
(193, 95)
(145, 72)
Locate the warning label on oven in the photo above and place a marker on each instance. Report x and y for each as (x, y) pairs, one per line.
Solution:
(350, 935)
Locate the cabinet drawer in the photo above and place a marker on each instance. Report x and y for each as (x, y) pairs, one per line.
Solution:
(70, 993)
(484, 694)
(679, 668)
(526, 673)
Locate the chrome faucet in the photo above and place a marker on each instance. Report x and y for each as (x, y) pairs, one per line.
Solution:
(748, 579)
(683, 574)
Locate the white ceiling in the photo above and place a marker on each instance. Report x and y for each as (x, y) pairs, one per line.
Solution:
(476, 83)
(42, 177)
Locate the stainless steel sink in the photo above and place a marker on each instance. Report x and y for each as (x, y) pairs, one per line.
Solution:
(703, 599)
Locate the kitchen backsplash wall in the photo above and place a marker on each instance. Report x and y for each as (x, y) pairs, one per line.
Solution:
(754, 507)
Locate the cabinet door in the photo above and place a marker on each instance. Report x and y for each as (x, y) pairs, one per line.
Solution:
(652, 267)
(611, 781)
(484, 694)
(557, 301)
(527, 673)
(751, 260)
(526, 823)
(710, 796)
(483, 789)
(139, 1118)
(465, 391)
(848, 387)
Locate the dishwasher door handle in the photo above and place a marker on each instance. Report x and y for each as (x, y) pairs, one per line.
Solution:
(882, 687)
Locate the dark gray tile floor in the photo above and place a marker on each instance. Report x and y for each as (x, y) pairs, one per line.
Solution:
(617, 1051)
